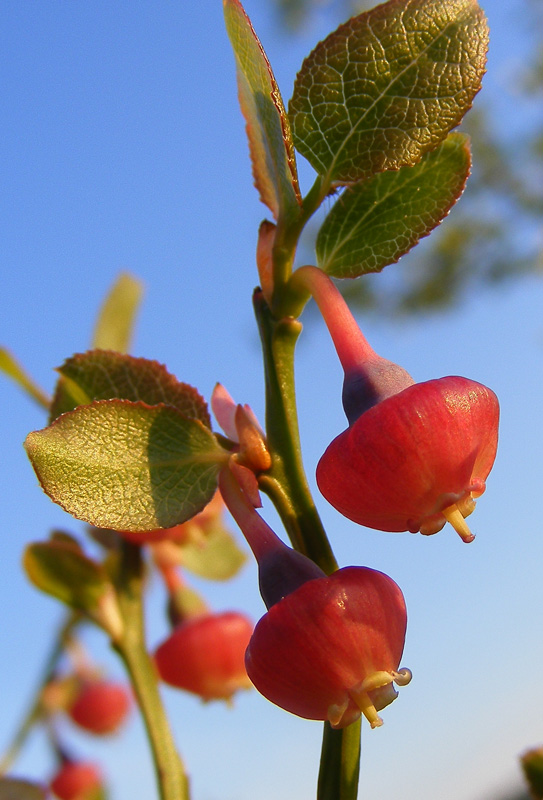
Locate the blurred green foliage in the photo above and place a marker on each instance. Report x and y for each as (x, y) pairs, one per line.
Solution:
(495, 233)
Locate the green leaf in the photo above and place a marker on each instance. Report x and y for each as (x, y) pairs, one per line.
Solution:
(185, 603)
(65, 538)
(105, 375)
(127, 466)
(14, 789)
(11, 367)
(388, 86)
(268, 130)
(375, 222)
(115, 323)
(60, 569)
(216, 556)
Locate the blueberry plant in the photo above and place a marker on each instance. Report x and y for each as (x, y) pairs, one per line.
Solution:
(134, 452)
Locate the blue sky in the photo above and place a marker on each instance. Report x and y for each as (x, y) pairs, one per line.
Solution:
(123, 148)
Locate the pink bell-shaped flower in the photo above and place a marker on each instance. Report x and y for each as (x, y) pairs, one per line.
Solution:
(415, 455)
(416, 459)
(101, 707)
(205, 655)
(329, 647)
(77, 780)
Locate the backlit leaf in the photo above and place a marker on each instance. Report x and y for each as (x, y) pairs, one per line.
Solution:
(127, 466)
(388, 86)
(105, 375)
(63, 571)
(185, 602)
(216, 557)
(268, 129)
(115, 323)
(375, 222)
(11, 367)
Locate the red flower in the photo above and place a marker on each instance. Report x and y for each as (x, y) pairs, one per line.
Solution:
(331, 649)
(415, 459)
(329, 646)
(414, 454)
(77, 781)
(101, 707)
(205, 655)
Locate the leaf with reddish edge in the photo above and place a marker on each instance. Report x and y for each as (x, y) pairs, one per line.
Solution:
(127, 466)
(60, 569)
(106, 375)
(375, 222)
(388, 86)
(268, 129)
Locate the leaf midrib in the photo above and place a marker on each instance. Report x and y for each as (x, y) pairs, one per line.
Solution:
(328, 177)
(354, 228)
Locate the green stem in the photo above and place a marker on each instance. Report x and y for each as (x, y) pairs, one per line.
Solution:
(171, 778)
(286, 484)
(34, 713)
(340, 763)
(286, 241)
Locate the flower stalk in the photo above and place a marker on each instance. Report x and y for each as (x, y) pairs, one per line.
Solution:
(170, 773)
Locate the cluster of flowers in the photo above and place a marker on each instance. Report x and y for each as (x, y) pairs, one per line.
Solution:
(413, 457)
(203, 655)
(99, 707)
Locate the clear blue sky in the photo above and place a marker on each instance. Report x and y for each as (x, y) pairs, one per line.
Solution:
(123, 148)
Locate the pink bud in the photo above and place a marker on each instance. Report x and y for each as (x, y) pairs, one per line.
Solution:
(416, 459)
(205, 655)
(330, 650)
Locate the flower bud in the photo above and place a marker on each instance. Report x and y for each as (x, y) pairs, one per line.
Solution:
(205, 655)
(330, 650)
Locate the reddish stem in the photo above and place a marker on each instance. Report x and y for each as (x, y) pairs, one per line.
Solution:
(260, 537)
(171, 576)
(351, 345)
(281, 570)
